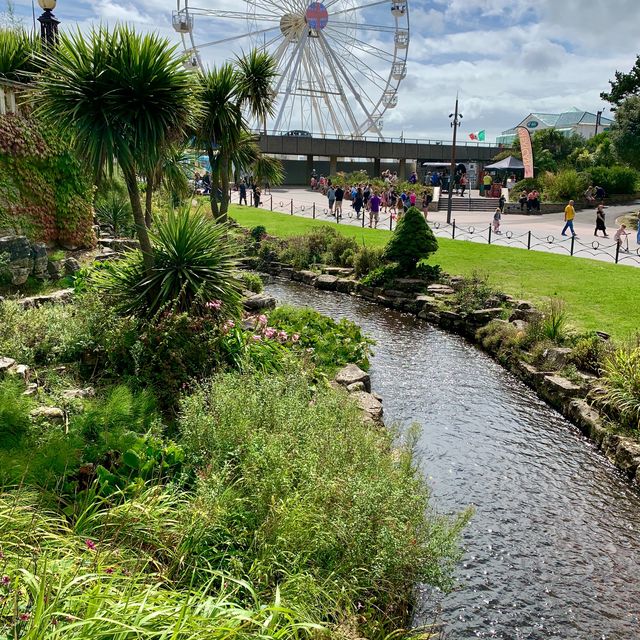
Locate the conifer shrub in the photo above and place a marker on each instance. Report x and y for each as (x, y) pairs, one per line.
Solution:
(411, 242)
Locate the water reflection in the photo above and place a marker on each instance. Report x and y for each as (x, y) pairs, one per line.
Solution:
(553, 550)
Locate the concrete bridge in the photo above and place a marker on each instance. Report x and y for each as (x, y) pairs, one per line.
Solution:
(400, 150)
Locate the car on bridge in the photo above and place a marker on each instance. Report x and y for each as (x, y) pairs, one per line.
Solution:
(298, 133)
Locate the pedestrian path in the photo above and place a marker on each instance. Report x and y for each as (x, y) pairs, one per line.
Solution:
(532, 232)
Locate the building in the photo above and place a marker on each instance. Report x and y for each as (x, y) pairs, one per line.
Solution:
(583, 123)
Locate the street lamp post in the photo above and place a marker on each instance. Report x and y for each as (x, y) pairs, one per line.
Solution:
(48, 24)
(455, 123)
(598, 120)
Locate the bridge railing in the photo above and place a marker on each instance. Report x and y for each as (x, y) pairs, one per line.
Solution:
(388, 218)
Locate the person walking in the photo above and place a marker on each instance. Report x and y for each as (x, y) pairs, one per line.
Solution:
(463, 184)
(331, 197)
(487, 181)
(256, 195)
(339, 198)
(618, 237)
(374, 209)
(425, 203)
(243, 192)
(569, 216)
(497, 217)
(358, 202)
(501, 202)
(600, 222)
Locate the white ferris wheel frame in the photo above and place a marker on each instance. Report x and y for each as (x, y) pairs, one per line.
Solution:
(330, 96)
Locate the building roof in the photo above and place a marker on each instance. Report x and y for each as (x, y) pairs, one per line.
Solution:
(564, 120)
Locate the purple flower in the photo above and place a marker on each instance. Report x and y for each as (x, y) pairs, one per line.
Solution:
(24, 616)
(262, 319)
(295, 337)
(282, 336)
(5, 580)
(91, 545)
(230, 324)
(109, 570)
(256, 338)
(214, 304)
(269, 333)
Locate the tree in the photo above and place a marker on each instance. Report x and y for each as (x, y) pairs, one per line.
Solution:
(18, 54)
(625, 132)
(123, 97)
(624, 86)
(411, 241)
(223, 131)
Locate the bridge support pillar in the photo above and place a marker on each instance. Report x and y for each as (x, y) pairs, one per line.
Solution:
(333, 165)
(402, 172)
(376, 168)
(309, 167)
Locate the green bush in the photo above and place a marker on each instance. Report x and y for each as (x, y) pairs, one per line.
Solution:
(297, 493)
(14, 411)
(564, 185)
(382, 275)
(500, 338)
(614, 180)
(428, 272)
(114, 209)
(252, 282)
(528, 184)
(621, 385)
(411, 241)
(589, 353)
(194, 266)
(331, 344)
(474, 293)
(367, 259)
(339, 246)
(258, 233)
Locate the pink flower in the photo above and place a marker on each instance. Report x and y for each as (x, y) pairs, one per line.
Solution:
(5, 580)
(282, 336)
(269, 333)
(295, 337)
(256, 338)
(214, 304)
(262, 319)
(91, 545)
(230, 324)
(24, 616)
(109, 570)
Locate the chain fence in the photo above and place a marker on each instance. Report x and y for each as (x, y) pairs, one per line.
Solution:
(618, 253)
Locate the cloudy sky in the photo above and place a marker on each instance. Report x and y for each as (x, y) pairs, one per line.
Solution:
(504, 59)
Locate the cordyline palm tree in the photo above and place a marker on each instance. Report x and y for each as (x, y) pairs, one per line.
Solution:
(123, 97)
(18, 55)
(222, 129)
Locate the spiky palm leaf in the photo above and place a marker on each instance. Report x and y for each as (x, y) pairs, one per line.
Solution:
(18, 55)
(257, 70)
(267, 169)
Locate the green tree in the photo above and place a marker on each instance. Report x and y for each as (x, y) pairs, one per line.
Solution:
(18, 54)
(624, 85)
(123, 97)
(625, 132)
(223, 131)
(411, 242)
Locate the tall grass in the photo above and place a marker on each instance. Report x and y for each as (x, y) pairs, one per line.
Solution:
(621, 384)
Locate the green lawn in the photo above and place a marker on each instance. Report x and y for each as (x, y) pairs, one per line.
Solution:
(598, 295)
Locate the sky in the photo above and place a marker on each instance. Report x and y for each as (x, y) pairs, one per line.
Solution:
(504, 59)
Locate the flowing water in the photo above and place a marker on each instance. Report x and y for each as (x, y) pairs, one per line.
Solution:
(553, 550)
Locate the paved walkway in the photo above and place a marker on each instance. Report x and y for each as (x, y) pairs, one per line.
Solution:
(474, 226)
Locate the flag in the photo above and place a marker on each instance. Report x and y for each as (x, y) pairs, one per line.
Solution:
(478, 135)
(527, 151)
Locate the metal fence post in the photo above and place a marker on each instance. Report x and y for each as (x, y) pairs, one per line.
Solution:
(489, 234)
(529, 241)
(314, 210)
(271, 203)
(390, 222)
(337, 217)
(363, 211)
(617, 252)
(453, 230)
(291, 206)
(573, 241)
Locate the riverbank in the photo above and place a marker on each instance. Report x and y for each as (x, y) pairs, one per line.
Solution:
(577, 397)
(592, 290)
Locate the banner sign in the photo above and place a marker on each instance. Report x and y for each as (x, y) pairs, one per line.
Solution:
(527, 151)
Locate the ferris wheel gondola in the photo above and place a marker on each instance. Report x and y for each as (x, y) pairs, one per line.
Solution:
(340, 62)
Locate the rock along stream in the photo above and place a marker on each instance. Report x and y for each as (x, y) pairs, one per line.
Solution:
(553, 550)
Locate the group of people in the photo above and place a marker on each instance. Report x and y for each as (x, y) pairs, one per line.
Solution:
(365, 198)
(621, 236)
(244, 187)
(530, 200)
(441, 179)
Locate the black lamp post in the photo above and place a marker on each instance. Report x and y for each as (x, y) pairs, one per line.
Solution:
(598, 120)
(455, 123)
(48, 23)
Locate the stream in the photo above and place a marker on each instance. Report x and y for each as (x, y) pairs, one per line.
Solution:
(553, 549)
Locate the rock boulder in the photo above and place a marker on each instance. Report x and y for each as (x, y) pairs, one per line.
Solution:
(352, 374)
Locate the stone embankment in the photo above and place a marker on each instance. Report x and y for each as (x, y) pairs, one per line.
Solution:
(578, 401)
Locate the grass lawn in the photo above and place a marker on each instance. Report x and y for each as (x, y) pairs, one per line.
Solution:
(598, 295)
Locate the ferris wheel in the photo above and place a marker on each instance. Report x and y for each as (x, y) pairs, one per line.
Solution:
(340, 62)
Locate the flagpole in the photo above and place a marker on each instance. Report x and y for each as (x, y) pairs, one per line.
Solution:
(455, 123)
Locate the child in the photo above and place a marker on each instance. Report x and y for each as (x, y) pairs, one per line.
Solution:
(497, 216)
(622, 233)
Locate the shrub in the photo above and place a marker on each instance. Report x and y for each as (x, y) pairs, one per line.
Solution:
(566, 184)
(297, 493)
(14, 411)
(339, 246)
(621, 385)
(114, 210)
(500, 338)
(528, 184)
(367, 259)
(333, 344)
(252, 282)
(411, 241)
(382, 275)
(589, 353)
(474, 293)
(428, 272)
(194, 266)
(614, 180)
(258, 233)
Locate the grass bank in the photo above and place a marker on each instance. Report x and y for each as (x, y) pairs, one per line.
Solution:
(598, 295)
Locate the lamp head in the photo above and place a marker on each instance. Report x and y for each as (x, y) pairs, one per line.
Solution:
(47, 4)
